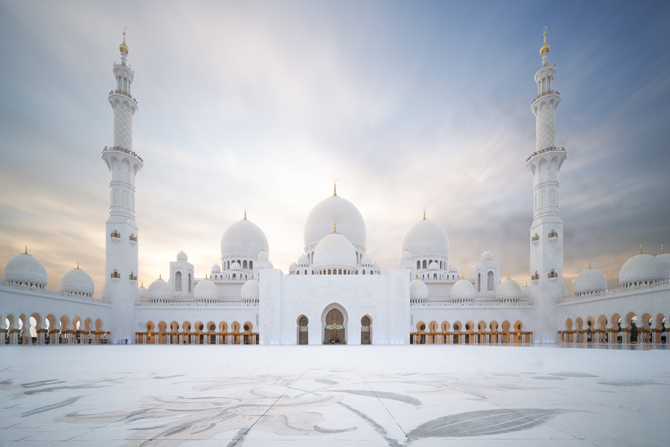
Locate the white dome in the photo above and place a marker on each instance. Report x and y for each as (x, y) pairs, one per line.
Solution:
(664, 259)
(418, 290)
(142, 293)
(250, 290)
(263, 256)
(293, 267)
(406, 256)
(487, 256)
(216, 268)
(590, 280)
(181, 256)
(159, 290)
(453, 268)
(335, 210)
(103, 291)
(77, 281)
(303, 261)
(426, 238)
(525, 292)
(434, 266)
(565, 291)
(235, 266)
(366, 260)
(640, 268)
(376, 267)
(206, 290)
(243, 239)
(26, 268)
(462, 290)
(335, 250)
(508, 289)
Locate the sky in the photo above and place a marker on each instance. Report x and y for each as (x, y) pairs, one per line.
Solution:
(262, 105)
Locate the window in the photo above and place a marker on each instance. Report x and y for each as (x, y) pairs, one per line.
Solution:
(177, 282)
(190, 282)
(489, 282)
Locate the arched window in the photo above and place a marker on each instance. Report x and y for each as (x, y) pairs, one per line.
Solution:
(489, 282)
(177, 282)
(244, 264)
(190, 283)
(251, 265)
(424, 263)
(418, 265)
(479, 282)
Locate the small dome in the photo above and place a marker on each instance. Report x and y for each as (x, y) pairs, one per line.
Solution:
(487, 256)
(103, 291)
(216, 268)
(235, 266)
(263, 256)
(426, 238)
(664, 259)
(142, 293)
(335, 250)
(418, 290)
(243, 239)
(337, 210)
(250, 290)
(27, 269)
(434, 266)
(453, 268)
(590, 280)
(159, 290)
(462, 290)
(206, 290)
(293, 267)
(642, 268)
(376, 267)
(525, 292)
(406, 256)
(77, 281)
(565, 291)
(303, 261)
(366, 260)
(181, 256)
(508, 289)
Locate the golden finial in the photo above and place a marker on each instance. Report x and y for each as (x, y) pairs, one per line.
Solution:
(508, 276)
(545, 48)
(662, 251)
(589, 265)
(252, 276)
(160, 276)
(26, 250)
(142, 284)
(77, 265)
(416, 276)
(640, 249)
(245, 214)
(334, 228)
(335, 188)
(123, 47)
(424, 214)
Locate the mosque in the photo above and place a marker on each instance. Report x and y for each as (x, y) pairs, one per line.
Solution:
(334, 293)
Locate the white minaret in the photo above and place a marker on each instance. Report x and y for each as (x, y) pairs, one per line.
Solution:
(546, 233)
(122, 234)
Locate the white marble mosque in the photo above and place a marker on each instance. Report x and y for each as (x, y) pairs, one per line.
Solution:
(334, 293)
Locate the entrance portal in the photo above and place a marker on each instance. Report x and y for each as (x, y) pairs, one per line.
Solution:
(366, 338)
(333, 333)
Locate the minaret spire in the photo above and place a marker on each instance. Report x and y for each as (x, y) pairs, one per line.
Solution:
(121, 264)
(546, 232)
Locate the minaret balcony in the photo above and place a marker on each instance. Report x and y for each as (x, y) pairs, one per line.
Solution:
(115, 235)
(115, 275)
(132, 277)
(132, 238)
(125, 151)
(535, 238)
(549, 92)
(546, 149)
(121, 92)
(535, 277)
(553, 235)
(552, 275)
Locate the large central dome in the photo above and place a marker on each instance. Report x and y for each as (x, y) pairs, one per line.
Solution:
(335, 210)
(426, 238)
(243, 238)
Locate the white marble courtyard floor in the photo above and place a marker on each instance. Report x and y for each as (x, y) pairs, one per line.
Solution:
(333, 395)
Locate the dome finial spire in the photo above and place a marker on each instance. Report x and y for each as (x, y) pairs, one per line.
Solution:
(334, 228)
(662, 250)
(424, 213)
(335, 188)
(640, 249)
(545, 47)
(26, 250)
(589, 265)
(245, 213)
(77, 265)
(123, 47)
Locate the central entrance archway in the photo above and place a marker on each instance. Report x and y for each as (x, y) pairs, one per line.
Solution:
(334, 331)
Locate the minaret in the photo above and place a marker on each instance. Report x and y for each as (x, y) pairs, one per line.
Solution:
(546, 233)
(122, 235)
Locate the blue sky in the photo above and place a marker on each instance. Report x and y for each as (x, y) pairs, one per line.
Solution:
(263, 104)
